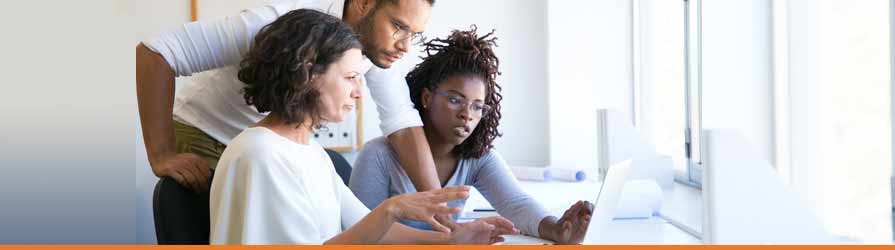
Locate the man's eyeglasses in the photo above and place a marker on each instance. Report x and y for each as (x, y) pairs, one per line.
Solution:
(403, 32)
(458, 103)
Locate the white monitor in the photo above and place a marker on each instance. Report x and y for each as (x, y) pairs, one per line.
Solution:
(745, 202)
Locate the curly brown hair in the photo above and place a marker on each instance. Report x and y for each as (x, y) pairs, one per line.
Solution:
(462, 53)
(285, 56)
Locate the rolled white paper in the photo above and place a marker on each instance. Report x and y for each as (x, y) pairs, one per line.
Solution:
(548, 174)
(532, 173)
(564, 174)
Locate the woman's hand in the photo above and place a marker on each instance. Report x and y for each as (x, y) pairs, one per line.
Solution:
(447, 221)
(571, 228)
(424, 206)
(482, 231)
(501, 225)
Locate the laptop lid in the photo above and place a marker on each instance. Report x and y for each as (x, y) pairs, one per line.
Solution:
(607, 201)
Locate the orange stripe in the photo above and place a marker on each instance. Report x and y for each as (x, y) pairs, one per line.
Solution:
(601, 247)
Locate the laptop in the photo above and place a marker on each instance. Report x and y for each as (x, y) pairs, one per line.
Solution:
(605, 204)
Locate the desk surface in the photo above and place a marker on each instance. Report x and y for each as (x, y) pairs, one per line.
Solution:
(682, 204)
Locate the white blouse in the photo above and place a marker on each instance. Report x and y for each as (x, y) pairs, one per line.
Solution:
(270, 190)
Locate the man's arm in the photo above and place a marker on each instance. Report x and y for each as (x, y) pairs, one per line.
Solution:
(415, 157)
(401, 123)
(155, 100)
(177, 52)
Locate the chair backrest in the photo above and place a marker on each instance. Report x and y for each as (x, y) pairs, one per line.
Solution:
(342, 166)
(181, 216)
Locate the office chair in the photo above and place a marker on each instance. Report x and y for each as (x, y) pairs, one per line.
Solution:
(182, 217)
(342, 166)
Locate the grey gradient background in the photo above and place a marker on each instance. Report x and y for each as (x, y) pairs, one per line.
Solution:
(67, 109)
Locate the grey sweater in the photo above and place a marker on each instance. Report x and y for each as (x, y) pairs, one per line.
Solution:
(377, 175)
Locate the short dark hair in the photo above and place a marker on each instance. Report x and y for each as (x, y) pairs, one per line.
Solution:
(286, 54)
(463, 53)
(380, 3)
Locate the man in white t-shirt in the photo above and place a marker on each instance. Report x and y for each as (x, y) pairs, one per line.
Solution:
(185, 144)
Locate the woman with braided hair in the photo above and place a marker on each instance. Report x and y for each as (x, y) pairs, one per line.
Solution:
(457, 95)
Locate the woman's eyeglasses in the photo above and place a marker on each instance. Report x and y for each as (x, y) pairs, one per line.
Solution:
(458, 103)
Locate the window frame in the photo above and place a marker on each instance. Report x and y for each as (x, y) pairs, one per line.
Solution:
(692, 174)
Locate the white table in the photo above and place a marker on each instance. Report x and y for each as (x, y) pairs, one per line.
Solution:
(682, 204)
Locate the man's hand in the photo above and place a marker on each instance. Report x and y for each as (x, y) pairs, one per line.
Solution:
(188, 170)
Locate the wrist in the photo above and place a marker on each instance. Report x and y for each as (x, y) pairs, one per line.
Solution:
(390, 209)
(158, 157)
(444, 239)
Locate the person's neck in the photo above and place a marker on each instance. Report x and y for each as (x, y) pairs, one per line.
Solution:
(443, 156)
(297, 133)
(440, 150)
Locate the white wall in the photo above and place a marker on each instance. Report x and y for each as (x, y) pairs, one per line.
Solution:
(841, 114)
(803, 63)
(589, 62)
(737, 71)
(522, 30)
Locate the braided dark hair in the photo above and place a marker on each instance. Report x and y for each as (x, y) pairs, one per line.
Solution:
(462, 53)
(286, 54)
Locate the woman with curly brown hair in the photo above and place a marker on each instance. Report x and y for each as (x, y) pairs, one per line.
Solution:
(276, 185)
(457, 95)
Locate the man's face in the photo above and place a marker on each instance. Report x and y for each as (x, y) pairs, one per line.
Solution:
(386, 32)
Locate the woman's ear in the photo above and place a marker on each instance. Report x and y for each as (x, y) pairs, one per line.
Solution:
(425, 98)
(314, 81)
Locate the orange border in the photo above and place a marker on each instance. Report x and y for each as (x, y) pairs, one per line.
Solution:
(409, 247)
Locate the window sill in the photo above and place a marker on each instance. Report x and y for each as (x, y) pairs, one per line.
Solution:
(682, 207)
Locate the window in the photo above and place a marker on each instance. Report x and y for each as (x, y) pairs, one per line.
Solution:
(667, 81)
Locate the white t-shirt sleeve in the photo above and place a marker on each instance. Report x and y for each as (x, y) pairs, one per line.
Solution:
(390, 92)
(352, 209)
(214, 43)
(260, 203)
